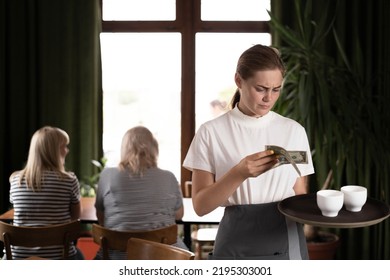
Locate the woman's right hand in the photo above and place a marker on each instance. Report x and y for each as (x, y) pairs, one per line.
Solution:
(257, 163)
(208, 194)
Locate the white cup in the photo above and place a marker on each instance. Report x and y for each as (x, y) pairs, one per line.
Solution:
(330, 202)
(354, 197)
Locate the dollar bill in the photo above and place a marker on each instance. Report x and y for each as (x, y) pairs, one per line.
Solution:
(289, 157)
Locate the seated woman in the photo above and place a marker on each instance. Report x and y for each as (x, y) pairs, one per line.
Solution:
(43, 193)
(137, 195)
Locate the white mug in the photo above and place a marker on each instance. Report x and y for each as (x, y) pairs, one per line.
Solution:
(330, 202)
(354, 197)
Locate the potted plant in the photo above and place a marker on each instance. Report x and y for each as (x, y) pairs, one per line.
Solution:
(88, 187)
(322, 94)
(89, 183)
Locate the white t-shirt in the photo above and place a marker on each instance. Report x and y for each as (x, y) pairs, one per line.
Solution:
(222, 143)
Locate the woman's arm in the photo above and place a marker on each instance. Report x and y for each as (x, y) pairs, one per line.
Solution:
(179, 213)
(100, 217)
(301, 185)
(75, 211)
(208, 194)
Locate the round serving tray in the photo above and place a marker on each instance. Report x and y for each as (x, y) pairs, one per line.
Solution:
(304, 209)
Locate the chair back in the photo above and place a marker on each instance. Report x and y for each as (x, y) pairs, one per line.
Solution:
(117, 240)
(60, 234)
(141, 249)
(187, 189)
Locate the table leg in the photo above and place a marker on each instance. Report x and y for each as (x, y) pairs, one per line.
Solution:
(187, 234)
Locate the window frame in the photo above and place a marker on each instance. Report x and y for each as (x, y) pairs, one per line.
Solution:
(188, 22)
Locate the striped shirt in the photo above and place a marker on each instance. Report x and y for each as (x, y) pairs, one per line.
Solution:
(49, 206)
(138, 202)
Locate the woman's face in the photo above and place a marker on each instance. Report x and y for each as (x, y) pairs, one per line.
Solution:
(260, 92)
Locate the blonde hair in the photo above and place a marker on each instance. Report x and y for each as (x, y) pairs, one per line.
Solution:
(139, 150)
(44, 155)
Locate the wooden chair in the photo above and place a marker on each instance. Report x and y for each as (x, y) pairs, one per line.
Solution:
(61, 234)
(187, 189)
(203, 239)
(142, 249)
(117, 240)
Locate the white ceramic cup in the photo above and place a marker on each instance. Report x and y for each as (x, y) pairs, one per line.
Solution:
(354, 197)
(330, 202)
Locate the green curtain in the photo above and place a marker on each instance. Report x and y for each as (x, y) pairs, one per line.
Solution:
(50, 74)
(362, 28)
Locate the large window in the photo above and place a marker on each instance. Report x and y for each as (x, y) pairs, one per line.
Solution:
(141, 84)
(169, 65)
(216, 60)
(130, 10)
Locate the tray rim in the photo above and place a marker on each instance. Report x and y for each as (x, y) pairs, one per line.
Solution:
(332, 224)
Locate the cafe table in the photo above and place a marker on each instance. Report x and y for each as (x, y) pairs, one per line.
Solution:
(88, 215)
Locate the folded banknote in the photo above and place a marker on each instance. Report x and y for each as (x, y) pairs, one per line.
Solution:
(289, 157)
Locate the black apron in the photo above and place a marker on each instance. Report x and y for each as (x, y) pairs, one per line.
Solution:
(258, 232)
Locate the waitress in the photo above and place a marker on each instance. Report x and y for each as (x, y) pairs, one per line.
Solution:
(230, 166)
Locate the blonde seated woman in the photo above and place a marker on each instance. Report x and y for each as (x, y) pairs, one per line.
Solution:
(44, 193)
(137, 195)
